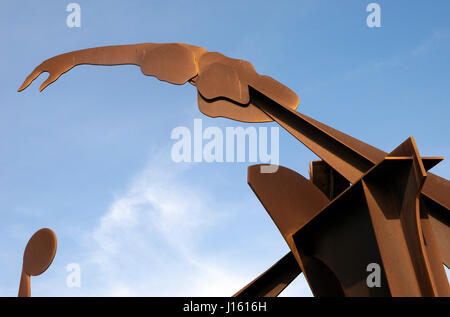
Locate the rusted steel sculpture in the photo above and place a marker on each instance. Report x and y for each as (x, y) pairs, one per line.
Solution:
(38, 255)
(360, 206)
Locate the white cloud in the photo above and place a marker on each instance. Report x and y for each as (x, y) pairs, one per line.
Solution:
(432, 42)
(158, 238)
(147, 244)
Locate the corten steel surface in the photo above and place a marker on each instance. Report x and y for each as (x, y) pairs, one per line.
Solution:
(38, 255)
(360, 206)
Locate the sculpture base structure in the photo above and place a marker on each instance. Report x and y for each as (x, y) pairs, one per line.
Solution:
(375, 222)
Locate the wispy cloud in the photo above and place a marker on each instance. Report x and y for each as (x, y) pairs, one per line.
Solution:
(147, 244)
(438, 37)
(432, 42)
(153, 241)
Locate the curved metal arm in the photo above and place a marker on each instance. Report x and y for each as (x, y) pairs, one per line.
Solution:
(172, 62)
(222, 82)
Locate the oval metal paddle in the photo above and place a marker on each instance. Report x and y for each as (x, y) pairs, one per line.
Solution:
(38, 255)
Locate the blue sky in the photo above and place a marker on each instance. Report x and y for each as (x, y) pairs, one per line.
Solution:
(89, 157)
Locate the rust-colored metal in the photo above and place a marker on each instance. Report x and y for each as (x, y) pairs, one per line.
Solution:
(273, 281)
(360, 206)
(329, 181)
(39, 254)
